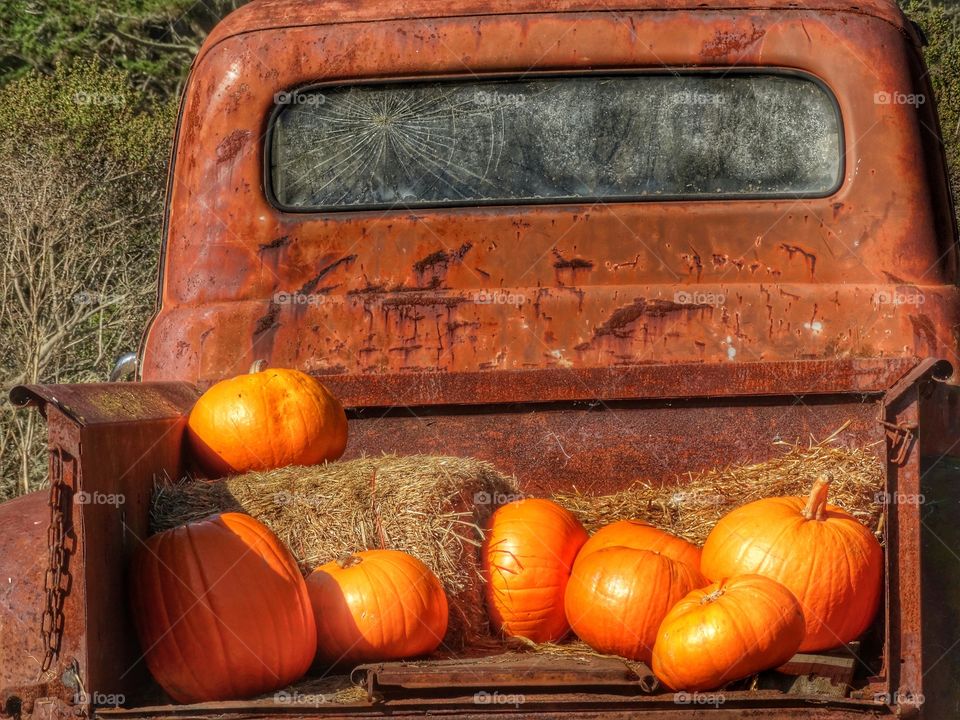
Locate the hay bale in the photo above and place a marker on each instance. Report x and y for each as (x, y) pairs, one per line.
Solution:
(690, 506)
(429, 506)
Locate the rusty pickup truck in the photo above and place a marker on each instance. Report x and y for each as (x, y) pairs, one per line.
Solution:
(592, 241)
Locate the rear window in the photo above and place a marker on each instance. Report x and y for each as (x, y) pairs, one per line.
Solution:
(555, 139)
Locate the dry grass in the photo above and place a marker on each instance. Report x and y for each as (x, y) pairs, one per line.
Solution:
(337, 689)
(434, 508)
(690, 506)
(431, 507)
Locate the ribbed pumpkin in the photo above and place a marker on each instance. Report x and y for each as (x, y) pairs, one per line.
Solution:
(264, 420)
(727, 631)
(376, 605)
(642, 535)
(529, 548)
(221, 610)
(618, 596)
(822, 554)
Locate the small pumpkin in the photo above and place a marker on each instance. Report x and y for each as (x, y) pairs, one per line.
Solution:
(642, 535)
(266, 419)
(821, 553)
(221, 610)
(618, 596)
(376, 605)
(727, 631)
(527, 554)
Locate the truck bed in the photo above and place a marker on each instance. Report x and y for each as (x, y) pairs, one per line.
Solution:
(652, 423)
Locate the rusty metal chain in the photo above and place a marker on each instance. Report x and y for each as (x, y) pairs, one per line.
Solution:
(56, 578)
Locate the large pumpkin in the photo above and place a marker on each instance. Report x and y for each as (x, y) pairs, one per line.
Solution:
(264, 420)
(376, 605)
(828, 560)
(529, 548)
(641, 535)
(617, 598)
(221, 610)
(727, 631)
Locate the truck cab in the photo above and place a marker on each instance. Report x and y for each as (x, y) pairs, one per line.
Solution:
(591, 242)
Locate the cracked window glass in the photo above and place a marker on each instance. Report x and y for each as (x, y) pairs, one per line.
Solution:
(555, 139)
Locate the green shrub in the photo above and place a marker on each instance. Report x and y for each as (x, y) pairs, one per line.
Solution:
(82, 164)
(941, 25)
(153, 41)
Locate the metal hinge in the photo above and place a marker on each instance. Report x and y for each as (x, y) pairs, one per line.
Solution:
(901, 437)
(56, 581)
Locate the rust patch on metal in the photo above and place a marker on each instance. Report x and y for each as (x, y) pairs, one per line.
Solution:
(627, 315)
(808, 257)
(727, 43)
(418, 299)
(440, 260)
(277, 244)
(566, 269)
(231, 145)
(574, 263)
(693, 261)
(924, 331)
(311, 286)
(268, 321)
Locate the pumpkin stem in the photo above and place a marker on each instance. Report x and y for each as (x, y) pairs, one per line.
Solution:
(816, 507)
(258, 366)
(715, 594)
(348, 560)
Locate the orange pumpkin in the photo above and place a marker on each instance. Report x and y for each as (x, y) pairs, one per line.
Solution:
(221, 610)
(618, 596)
(264, 420)
(822, 554)
(641, 535)
(376, 605)
(727, 631)
(529, 548)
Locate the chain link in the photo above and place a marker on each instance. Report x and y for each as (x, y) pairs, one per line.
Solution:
(57, 574)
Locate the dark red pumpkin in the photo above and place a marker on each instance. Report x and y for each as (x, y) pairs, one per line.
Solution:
(221, 610)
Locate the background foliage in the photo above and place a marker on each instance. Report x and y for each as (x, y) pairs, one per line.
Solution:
(88, 91)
